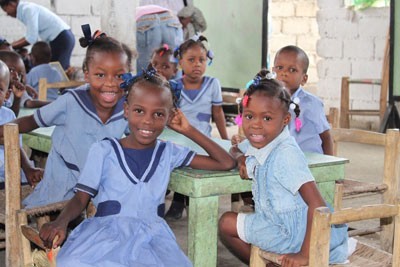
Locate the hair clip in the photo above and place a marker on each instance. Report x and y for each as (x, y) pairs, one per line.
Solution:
(176, 89)
(210, 55)
(256, 81)
(271, 75)
(245, 100)
(239, 120)
(128, 79)
(165, 48)
(87, 33)
(293, 105)
(195, 37)
(149, 73)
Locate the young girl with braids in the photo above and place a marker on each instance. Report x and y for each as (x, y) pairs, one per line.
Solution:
(164, 62)
(81, 117)
(127, 179)
(201, 98)
(284, 190)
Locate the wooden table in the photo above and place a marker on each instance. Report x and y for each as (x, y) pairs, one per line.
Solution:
(205, 187)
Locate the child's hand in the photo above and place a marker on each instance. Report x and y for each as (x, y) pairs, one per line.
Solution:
(50, 230)
(17, 87)
(237, 138)
(34, 176)
(178, 122)
(241, 164)
(31, 92)
(293, 260)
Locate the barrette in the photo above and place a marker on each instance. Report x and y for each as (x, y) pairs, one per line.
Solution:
(256, 81)
(87, 33)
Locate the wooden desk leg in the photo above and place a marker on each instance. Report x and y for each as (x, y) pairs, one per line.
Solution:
(203, 231)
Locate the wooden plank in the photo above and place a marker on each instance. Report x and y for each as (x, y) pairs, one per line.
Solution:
(364, 213)
(13, 193)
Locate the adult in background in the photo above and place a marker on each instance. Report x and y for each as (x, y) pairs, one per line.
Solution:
(192, 20)
(155, 26)
(42, 24)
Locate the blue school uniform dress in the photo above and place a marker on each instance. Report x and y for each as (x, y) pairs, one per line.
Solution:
(77, 127)
(314, 122)
(127, 229)
(7, 115)
(197, 104)
(280, 219)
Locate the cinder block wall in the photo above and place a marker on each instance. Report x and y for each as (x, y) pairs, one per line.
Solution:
(73, 12)
(351, 44)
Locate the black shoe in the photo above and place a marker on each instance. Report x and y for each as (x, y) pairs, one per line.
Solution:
(175, 211)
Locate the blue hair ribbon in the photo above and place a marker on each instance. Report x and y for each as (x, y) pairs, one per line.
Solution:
(176, 89)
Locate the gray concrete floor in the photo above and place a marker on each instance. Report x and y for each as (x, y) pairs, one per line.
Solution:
(367, 160)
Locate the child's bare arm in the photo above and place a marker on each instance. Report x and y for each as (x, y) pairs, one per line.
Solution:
(31, 91)
(219, 159)
(25, 124)
(219, 118)
(33, 103)
(312, 197)
(58, 227)
(327, 142)
(241, 161)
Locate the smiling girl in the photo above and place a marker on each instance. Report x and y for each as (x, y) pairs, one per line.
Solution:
(81, 117)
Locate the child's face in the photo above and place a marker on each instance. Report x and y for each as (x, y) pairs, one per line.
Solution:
(104, 72)
(10, 9)
(263, 119)
(164, 66)
(193, 62)
(17, 70)
(289, 69)
(147, 110)
(4, 83)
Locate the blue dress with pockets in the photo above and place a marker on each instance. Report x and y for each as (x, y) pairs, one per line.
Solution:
(126, 230)
(280, 219)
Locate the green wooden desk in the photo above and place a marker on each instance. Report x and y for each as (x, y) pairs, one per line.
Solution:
(205, 187)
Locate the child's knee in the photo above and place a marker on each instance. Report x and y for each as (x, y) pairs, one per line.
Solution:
(227, 222)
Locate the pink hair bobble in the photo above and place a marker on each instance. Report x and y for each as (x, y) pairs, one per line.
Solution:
(297, 124)
(245, 101)
(166, 48)
(239, 120)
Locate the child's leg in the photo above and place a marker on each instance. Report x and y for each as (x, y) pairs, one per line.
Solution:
(229, 237)
(177, 206)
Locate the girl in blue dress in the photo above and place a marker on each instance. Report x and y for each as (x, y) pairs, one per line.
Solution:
(201, 98)
(127, 180)
(81, 117)
(284, 190)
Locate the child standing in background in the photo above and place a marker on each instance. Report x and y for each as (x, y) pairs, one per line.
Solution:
(284, 190)
(129, 178)
(29, 174)
(201, 98)
(82, 116)
(313, 135)
(164, 62)
(40, 56)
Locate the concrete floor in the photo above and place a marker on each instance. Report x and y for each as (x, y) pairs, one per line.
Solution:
(364, 159)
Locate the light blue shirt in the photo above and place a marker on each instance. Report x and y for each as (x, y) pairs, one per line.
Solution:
(40, 22)
(44, 71)
(198, 108)
(313, 119)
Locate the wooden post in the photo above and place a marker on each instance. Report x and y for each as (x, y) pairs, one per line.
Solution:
(391, 179)
(42, 89)
(25, 244)
(255, 259)
(320, 236)
(345, 104)
(13, 193)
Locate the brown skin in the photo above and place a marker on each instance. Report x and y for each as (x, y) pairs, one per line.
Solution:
(263, 120)
(148, 110)
(193, 63)
(289, 67)
(163, 65)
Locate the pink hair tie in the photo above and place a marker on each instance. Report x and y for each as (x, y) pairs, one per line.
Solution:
(297, 124)
(239, 120)
(245, 101)
(166, 48)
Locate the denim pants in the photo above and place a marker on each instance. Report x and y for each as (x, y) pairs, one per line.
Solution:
(154, 30)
